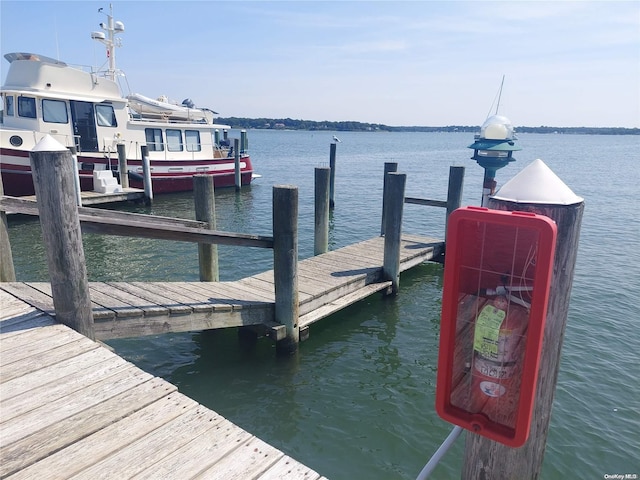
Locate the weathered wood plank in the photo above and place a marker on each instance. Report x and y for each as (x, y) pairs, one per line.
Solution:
(288, 469)
(147, 228)
(199, 454)
(307, 318)
(65, 386)
(52, 412)
(11, 305)
(79, 441)
(30, 295)
(139, 290)
(153, 447)
(124, 298)
(200, 302)
(50, 375)
(33, 319)
(249, 460)
(45, 288)
(101, 293)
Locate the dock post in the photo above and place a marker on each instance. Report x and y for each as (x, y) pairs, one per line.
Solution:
(388, 168)
(76, 170)
(53, 172)
(7, 270)
(205, 205)
(244, 144)
(484, 458)
(394, 201)
(454, 192)
(285, 265)
(146, 175)
(321, 227)
(236, 149)
(122, 165)
(332, 179)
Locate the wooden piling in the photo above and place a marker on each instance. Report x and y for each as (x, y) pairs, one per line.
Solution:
(394, 201)
(122, 165)
(388, 168)
(285, 265)
(76, 177)
(7, 270)
(332, 179)
(146, 175)
(53, 175)
(485, 458)
(454, 192)
(205, 206)
(321, 200)
(244, 144)
(236, 150)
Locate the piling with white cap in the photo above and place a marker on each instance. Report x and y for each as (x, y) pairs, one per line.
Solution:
(53, 177)
(538, 190)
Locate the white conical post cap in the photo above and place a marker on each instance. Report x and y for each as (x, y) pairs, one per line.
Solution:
(48, 144)
(536, 183)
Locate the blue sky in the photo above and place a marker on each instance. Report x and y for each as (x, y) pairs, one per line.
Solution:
(391, 62)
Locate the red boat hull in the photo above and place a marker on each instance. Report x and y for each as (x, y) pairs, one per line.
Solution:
(17, 179)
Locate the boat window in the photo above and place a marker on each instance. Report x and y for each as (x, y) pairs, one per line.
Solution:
(27, 107)
(8, 106)
(154, 139)
(174, 140)
(192, 139)
(54, 111)
(106, 116)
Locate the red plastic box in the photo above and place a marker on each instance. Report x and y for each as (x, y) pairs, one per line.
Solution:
(496, 287)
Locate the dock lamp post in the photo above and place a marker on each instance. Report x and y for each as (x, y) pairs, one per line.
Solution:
(493, 149)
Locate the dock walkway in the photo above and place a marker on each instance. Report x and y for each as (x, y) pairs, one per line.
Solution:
(70, 408)
(326, 284)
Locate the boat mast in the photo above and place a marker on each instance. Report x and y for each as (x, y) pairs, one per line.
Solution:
(500, 95)
(111, 28)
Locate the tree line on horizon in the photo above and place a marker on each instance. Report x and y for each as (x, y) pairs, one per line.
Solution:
(349, 126)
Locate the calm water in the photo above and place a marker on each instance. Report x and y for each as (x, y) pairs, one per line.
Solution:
(357, 402)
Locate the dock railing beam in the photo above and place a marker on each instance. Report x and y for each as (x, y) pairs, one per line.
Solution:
(7, 271)
(205, 206)
(285, 265)
(53, 178)
(484, 458)
(393, 202)
(321, 211)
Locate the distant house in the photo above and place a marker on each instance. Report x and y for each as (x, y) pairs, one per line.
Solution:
(278, 125)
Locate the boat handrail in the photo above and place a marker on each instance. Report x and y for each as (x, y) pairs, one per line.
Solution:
(137, 118)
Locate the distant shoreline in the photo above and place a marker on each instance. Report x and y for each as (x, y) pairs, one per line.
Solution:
(291, 124)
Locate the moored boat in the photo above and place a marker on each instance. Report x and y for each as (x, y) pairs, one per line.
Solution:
(86, 109)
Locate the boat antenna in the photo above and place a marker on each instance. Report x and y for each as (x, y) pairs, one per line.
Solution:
(55, 23)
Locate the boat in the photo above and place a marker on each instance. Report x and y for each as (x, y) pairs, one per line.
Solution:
(86, 108)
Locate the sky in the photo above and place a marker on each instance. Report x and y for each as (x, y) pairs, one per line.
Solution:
(428, 63)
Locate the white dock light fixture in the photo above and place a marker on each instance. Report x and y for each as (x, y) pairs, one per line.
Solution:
(493, 149)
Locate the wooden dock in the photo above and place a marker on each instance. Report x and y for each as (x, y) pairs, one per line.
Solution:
(97, 198)
(69, 407)
(326, 283)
